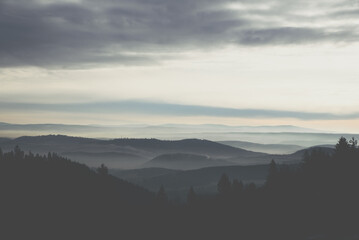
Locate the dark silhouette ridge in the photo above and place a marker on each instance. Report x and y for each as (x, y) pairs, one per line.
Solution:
(204, 180)
(50, 195)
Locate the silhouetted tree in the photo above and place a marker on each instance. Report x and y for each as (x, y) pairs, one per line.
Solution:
(342, 146)
(102, 170)
(353, 143)
(273, 169)
(49, 156)
(237, 187)
(19, 154)
(224, 185)
(272, 174)
(191, 197)
(162, 196)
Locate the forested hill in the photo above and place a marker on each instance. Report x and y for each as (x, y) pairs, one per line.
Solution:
(197, 146)
(43, 194)
(63, 177)
(129, 153)
(151, 146)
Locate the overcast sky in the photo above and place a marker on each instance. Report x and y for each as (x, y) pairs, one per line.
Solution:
(247, 62)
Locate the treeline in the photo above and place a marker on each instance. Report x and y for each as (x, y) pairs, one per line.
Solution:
(317, 199)
(53, 196)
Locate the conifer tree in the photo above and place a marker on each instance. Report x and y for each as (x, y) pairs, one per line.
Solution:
(224, 185)
(162, 196)
(237, 187)
(102, 170)
(191, 197)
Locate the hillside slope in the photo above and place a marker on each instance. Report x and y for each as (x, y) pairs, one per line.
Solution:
(266, 148)
(47, 195)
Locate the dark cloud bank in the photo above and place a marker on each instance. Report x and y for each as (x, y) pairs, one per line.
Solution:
(87, 33)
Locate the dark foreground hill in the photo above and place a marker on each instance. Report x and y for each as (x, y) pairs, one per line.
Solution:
(55, 197)
(204, 180)
(170, 171)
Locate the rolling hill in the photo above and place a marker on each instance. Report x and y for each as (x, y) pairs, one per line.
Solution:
(204, 180)
(265, 148)
(193, 146)
(129, 153)
(139, 153)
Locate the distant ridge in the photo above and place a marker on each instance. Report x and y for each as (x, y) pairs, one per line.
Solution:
(45, 126)
(164, 131)
(328, 149)
(195, 146)
(267, 148)
(277, 134)
(129, 153)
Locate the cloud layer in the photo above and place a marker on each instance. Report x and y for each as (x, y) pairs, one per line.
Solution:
(136, 32)
(166, 109)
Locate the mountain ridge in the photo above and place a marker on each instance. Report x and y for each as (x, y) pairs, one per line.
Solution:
(128, 153)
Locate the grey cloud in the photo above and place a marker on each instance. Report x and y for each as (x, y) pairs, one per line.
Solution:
(284, 35)
(353, 13)
(126, 32)
(166, 109)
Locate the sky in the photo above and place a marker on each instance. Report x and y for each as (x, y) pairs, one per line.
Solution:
(245, 62)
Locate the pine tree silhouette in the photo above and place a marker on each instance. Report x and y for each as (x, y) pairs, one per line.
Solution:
(224, 185)
(102, 170)
(162, 196)
(191, 197)
(237, 188)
